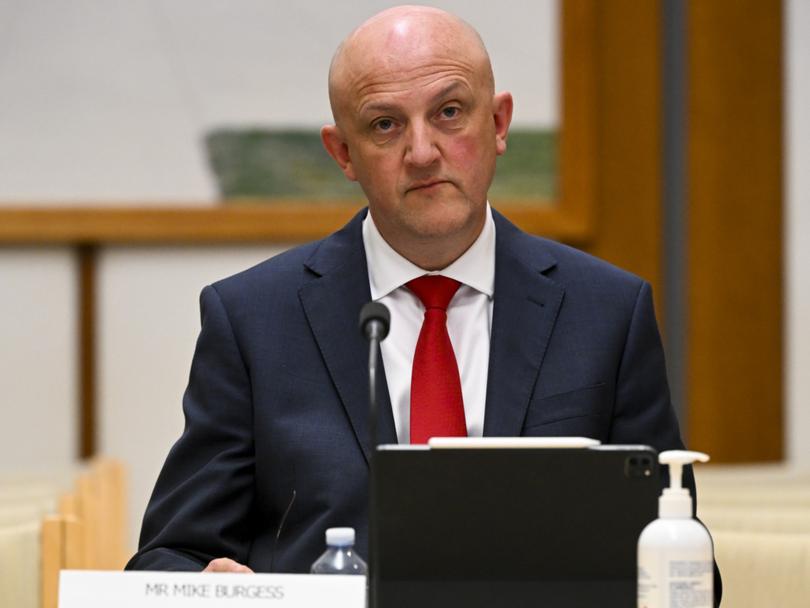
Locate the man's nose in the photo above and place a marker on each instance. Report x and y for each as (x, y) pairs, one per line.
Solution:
(422, 147)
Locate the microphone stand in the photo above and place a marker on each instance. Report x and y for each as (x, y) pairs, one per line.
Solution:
(374, 323)
(373, 358)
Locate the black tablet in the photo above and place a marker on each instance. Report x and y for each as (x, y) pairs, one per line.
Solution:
(497, 523)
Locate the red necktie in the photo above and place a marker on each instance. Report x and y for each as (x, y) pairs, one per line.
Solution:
(437, 406)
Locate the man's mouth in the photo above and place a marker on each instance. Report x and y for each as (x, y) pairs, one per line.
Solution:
(427, 185)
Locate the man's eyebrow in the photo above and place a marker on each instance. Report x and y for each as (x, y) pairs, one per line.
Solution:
(381, 106)
(450, 88)
(376, 106)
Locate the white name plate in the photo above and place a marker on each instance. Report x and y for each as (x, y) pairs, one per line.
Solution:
(92, 589)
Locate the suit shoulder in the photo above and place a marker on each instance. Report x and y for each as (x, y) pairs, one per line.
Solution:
(288, 270)
(576, 265)
(592, 285)
(561, 263)
(281, 272)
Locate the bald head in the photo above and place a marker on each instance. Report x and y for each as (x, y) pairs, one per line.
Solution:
(401, 39)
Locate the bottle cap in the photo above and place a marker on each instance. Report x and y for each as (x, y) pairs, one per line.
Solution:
(340, 537)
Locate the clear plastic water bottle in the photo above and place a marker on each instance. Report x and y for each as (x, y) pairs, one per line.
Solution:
(339, 557)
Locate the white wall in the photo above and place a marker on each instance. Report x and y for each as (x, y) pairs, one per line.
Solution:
(37, 359)
(90, 107)
(797, 230)
(110, 100)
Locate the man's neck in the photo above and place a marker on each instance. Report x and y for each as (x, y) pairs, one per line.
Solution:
(435, 253)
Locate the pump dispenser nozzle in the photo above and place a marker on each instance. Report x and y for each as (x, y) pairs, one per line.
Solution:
(676, 502)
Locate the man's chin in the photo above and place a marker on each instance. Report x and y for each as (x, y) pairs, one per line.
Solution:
(444, 222)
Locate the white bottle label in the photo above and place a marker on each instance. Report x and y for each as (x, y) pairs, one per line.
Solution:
(684, 580)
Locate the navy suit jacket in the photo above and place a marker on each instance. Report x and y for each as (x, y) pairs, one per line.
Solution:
(276, 405)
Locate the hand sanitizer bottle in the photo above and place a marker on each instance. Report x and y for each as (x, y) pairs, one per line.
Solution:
(675, 552)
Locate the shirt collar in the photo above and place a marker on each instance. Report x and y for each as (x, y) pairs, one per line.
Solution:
(387, 270)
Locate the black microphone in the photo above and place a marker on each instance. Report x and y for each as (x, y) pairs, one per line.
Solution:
(375, 321)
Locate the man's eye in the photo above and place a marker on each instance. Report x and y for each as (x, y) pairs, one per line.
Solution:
(450, 112)
(384, 124)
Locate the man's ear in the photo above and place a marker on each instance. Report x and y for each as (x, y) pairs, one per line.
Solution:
(502, 113)
(335, 144)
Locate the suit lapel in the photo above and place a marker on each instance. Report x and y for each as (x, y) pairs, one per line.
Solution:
(332, 300)
(525, 310)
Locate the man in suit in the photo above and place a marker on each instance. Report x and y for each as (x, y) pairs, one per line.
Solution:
(545, 340)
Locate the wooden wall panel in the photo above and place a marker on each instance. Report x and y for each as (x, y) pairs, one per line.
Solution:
(734, 361)
(628, 211)
(734, 367)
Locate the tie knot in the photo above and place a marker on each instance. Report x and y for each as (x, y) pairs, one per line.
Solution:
(435, 291)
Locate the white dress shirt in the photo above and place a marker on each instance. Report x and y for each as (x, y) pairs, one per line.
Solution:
(469, 320)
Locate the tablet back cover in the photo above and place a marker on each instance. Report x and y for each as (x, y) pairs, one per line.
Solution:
(511, 527)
